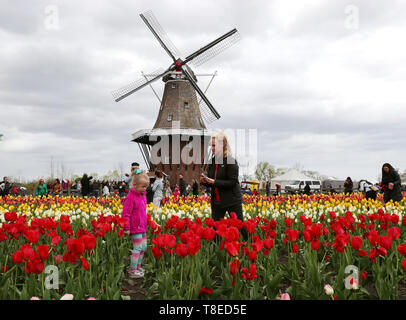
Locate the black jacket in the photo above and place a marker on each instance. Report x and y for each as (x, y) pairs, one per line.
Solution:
(226, 182)
(85, 182)
(7, 187)
(392, 176)
(195, 188)
(182, 186)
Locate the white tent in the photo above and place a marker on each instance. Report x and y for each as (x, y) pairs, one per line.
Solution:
(288, 178)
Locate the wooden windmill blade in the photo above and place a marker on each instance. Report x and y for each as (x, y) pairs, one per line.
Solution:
(208, 111)
(213, 48)
(159, 33)
(125, 91)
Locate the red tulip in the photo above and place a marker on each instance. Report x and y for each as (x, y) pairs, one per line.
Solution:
(10, 216)
(234, 266)
(89, 241)
(373, 237)
(208, 234)
(252, 255)
(65, 227)
(85, 263)
(356, 242)
(232, 234)
(32, 235)
(156, 251)
(43, 251)
(394, 219)
(295, 248)
(307, 236)
(315, 245)
(252, 274)
(4, 269)
(181, 250)
(232, 249)
(382, 251)
(268, 243)
(77, 247)
(386, 242)
(394, 232)
(362, 253)
(18, 257)
(27, 251)
(402, 249)
(55, 240)
(289, 222)
(293, 235)
(205, 290)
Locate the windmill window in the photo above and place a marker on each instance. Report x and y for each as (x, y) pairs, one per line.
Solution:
(170, 117)
(173, 85)
(186, 104)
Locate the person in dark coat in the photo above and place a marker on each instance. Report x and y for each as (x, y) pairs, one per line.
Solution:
(182, 186)
(306, 189)
(390, 184)
(268, 188)
(348, 186)
(95, 188)
(6, 186)
(222, 177)
(149, 191)
(195, 188)
(85, 182)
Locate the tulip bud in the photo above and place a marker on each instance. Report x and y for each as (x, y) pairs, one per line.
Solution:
(67, 296)
(285, 296)
(328, 290)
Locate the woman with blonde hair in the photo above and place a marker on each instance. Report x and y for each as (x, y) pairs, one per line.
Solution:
(222, 177)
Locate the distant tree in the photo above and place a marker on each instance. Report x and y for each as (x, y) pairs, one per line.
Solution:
(265, 171)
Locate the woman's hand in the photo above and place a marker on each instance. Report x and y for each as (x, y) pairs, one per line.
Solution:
(390, 185)
(210, 181)
(127, 233)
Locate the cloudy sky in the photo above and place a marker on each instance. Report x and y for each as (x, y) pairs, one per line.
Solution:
(322, 82)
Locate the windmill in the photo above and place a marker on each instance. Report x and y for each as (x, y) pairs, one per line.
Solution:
(180, 113)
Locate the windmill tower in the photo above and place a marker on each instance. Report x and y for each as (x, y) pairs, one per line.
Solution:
(178, 143)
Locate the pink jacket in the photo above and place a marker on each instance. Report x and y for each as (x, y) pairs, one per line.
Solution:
(135, 212)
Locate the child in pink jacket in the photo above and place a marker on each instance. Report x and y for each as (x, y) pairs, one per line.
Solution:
(135, 212)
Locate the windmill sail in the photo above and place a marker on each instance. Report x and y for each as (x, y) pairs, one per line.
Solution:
(214, 48)
(153, 24)
(209, 113)
(125, 91)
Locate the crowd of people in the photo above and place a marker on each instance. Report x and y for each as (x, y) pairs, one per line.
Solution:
(221, 183)
(390, 186)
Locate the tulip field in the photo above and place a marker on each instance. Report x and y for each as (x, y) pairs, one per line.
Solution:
(334, 247)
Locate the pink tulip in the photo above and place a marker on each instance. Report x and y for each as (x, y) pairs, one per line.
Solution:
(285, 296)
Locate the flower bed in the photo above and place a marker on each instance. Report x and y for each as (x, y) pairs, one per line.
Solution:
(299, 247)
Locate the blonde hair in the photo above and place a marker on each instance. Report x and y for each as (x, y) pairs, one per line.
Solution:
(222, 137)
(136, 178)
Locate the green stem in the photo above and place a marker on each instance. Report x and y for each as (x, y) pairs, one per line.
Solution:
(181, 274)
